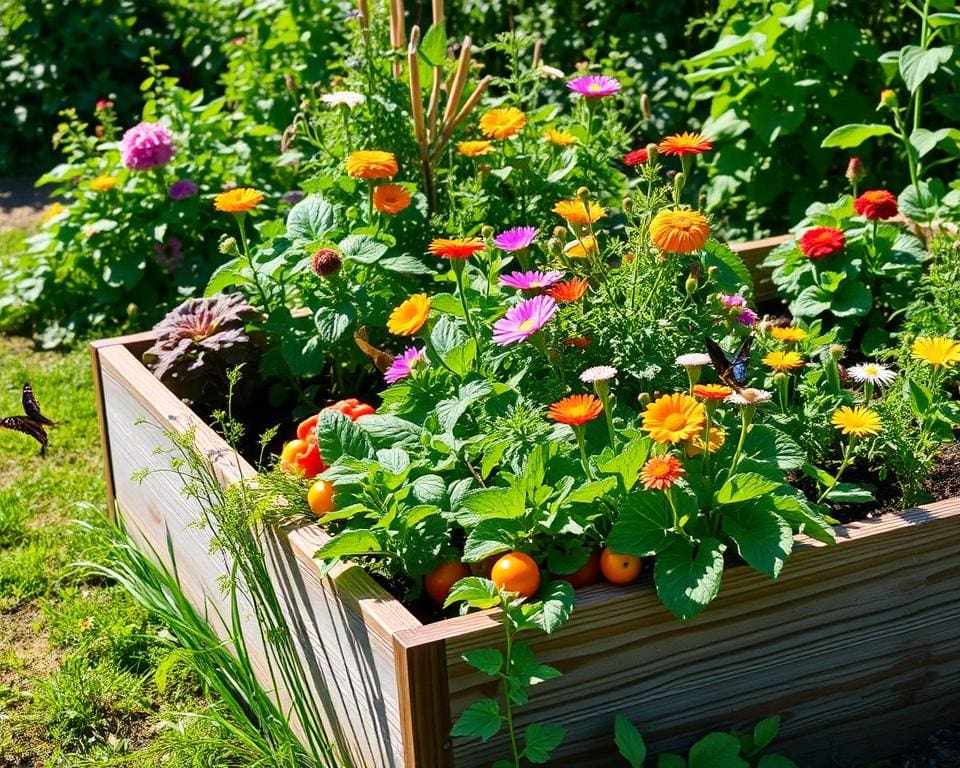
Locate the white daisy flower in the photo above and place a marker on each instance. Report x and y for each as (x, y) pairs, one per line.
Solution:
(749, 396)
(874, 373)
(693, 360)
(598, 373)
(348, 99)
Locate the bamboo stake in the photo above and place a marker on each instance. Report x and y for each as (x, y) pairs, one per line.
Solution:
(398, 33)
(364, 13)
(537, 52)
(437, 11)
(461, 116)
(459, 80)
(416, 109)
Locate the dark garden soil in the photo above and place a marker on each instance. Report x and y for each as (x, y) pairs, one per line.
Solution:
(21, 204)
(941, 749)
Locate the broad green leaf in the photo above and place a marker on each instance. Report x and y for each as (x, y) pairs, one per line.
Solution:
(475, 592)
(338, 436)
(917, 64)
(776, 761)
(460, 359)
(811, 302)
(943, 19)
(332, 322)
(352, 544)
(450, 411)
(526, 671)
(362, 248)
(853, 135)
(591, 491)
(429, 489)
(644, 526)
(490, 537)
(743, 487)
(433, 46)
(540, 739)
(396, 461)
(797, 512)
(487, 660)
(688, 576)
(628, 462)
(481, 720)
(390, 430)
(554, 606)
(491, 503)
(446, 336)
(313, 218)
(731, 273)
(629, 742)
(766, 443)
(765, 732)
(717, 750)
(853, 299)
(405, 263)
(763, 538)
(850, 493)
(671, 761)
(924, 141)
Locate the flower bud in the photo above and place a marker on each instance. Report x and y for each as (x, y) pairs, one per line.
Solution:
(888, 98)
(645, 109)
(98, 131)
(691, 285)
(132, 309)
(779, 377)
(837, 351)
(652, 152)
(228, 246)
(712, 271)
(560, 233)
(554, 246)
(679, 180)
(855, 170)
(326, 262)
(627, 204)
(583, 193)
(486, 231)
(644, 398)
(286, 141)
(702, 201)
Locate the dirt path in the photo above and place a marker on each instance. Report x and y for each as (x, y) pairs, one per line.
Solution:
(20, 202)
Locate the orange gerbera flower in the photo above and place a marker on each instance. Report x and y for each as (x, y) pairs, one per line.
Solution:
(685, 144)
(677, 231)
(715, 441)
(560, 138)
(238, 200)
(390, 198)
(674, 418)
(502, 123)
(712, 391)
(475, 148)
(462, 248)
(660, 472)
(576, 410)
(579, 212)
(410, 316)
(570, 290)
(372, 164)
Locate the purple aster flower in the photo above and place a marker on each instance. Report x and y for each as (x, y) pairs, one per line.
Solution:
(734, 300)
(181, 189)
(515, 239)
(747, 317)
(169, 254)
(528, 281)
(146, 146)
(403, 365)
(594, 86)
(524, 320)
(293, 197)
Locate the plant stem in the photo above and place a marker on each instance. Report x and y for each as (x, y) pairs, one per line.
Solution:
(578, 431)
(843, 465)
(508, 684)
(246, 253)
(746, 416)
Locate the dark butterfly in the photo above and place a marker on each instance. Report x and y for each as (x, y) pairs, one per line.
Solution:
(33, 421)
(383, 360)
(731, 370)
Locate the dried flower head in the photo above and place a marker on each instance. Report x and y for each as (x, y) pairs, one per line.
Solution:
(326, 262)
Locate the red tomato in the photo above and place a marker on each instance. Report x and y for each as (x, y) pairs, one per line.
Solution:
(440, 580)
(352, 408)
(516, 572)
(302, 457)
(587, 574)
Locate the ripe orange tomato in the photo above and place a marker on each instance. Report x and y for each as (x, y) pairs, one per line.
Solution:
(620, 569)
(516, 572)
(439, 581)
(321, 498)
(587, 574)
(352, 408)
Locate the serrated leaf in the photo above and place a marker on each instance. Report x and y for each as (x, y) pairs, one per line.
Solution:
(446, 336)
(763, 538)
(313, 218)
(362, 249)
(688, 577)
(338, 436)
(743, 487)
(481, 720)
(592, 490)
(627, 463)
(765, 732)
(390, 430)
(332, 322)
(491, 503)
(429, 489)
(629, 742)
(849, 493)
(487, 660)
(475, 592)
(540, 739)
(554, 606)
(490, 537)
(351, 544)
(644, 526)
(717, 750)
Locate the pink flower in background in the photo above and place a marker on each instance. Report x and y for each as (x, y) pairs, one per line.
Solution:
(524, 320)
(103, 104)
(734, 300)
(594, 86)
(747, 317)
(169, 254)
(402, 367)
(181, 189)
(146, 146)
(528, 281)
(515, 239)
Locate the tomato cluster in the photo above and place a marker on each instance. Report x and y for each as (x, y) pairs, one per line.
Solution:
(301, 456)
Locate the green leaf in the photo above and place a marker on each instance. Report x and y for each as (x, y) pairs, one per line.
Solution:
(671, 761)
(433, 46)
(446, 336)
(796, 511)
(765, 732)
(490, 537)
(487, 660)
(539, 740)
(917, 64)
(390, 430)
(643, 527)
(429, 489)
(593, 490)
(313, 218)
(491, 503)
(688, 577)
(943, 19)
(481, 720)
(919, 396)
(554, 607)
(850, 493)
(717, 750)
(450, 411)
(475, 592)
(924, 141)
(743, 487)
(629, 742)
(731, 272)
(527, 671)
(406, 264)
(460, 358)
(338, 436)
(628, 462)
(362, 248)
(853, 299)
(766, 443)
(763, 538)
(853, 135)
(351, 544)
(811, 302)
(332, 322)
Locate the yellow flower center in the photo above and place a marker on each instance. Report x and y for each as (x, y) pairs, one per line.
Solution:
(675, 421)
(526, 325)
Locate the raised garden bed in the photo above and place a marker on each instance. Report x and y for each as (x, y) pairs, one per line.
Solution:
(856, 646)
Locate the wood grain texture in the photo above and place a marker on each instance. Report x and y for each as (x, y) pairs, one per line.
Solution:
(342, 625)
(421, 673)
(754, 252)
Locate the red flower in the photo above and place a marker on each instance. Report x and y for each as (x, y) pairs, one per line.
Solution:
(637, 157)
(876, 204)
(571, 290)
(820, 242)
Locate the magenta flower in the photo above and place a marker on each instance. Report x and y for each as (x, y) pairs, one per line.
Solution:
(747, 317)
(403, 365)
(524, 320)
(515, 239)
(734, 300)
(528, 281)
(146, 146)
(181, 189)
(594, 86)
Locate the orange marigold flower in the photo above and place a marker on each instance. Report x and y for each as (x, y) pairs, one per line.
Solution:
(660, 472)
(679, 231)
(372, 164)
(390, 198)
(570, 290)
(560, 138)
(579, 212)
(712, 391)
(502, 122)
(674, 418)
(576, 410)
(462, 248)
(238, 200)
(715, 441)
(475, 148)
(410, 316)
(685, 144)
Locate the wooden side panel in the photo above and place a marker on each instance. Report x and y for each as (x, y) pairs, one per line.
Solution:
(857, 647)
(343, 625)
(421, 675)
(753, 253)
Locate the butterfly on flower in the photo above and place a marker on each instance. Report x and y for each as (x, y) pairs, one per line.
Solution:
(732, 369)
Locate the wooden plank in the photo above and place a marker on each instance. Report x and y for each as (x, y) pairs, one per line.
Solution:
(857, 647)
(421, 674)
(753, 253)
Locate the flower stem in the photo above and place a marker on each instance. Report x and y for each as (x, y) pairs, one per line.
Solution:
(246, 253)
(602, 388)
(843, 465)
(507, 685)
(578, 431)
(746, 416)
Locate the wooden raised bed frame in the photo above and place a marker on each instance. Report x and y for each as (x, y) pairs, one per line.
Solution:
(856, 646)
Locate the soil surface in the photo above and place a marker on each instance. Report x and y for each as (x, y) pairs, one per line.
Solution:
(941, 749)
(21, 204)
